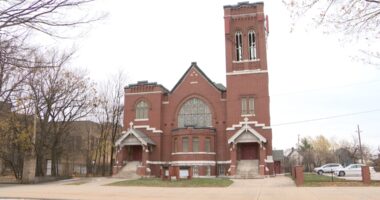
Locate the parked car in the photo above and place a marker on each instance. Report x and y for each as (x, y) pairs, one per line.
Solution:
(327, 168)
(352, 170)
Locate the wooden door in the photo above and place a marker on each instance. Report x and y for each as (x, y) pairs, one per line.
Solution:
(277, 167)
(248, 151)
(136, 153)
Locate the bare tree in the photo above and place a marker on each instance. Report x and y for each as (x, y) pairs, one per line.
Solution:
(352, 16)
(109, 114)
(23, 75)
(60, 96)
(323, 150)
(44, 16)
(356, 19)
(14, 66)
(307, 151)
(354, 151)
(18, 19)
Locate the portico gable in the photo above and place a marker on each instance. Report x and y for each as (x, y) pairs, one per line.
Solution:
(247, 134)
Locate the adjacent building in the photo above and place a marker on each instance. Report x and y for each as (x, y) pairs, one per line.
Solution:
(201, 128)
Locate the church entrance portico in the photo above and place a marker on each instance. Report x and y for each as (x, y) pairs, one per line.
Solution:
(247, 152)
(133, 152)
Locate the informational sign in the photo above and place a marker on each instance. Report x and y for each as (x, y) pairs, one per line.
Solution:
(166, 172)
(183, 173)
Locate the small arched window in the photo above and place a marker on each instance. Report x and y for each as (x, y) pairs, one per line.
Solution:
(238, 46)
(252, 45)
(142, 109)
(195, 113)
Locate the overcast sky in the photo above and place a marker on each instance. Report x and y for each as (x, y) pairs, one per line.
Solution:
(311, 74)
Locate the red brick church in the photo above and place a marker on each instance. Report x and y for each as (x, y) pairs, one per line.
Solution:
(200, 128)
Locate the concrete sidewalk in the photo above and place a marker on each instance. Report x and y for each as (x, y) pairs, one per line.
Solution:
(275, 188)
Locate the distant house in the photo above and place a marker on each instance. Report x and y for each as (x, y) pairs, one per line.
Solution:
(292, 158)
(278, 158)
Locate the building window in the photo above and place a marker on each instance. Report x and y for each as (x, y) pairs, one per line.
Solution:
(195, 171)
(195, 144)
(252, 45)
(221, 170)
(208, 170)
(175, 145)
(195, 113)
(238, 46)
(247, 106)
(142, 110)
(207, 145)
(185, 144)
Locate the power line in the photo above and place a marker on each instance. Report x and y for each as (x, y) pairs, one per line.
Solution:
(324, 88)
(326, 118)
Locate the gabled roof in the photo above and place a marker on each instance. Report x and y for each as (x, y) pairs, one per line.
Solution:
(218, 86)
(142, 137)
(278, 155)
(247, 129)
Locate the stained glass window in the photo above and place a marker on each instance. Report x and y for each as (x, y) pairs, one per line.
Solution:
(247, 105)
(142, 110)
(194, 112)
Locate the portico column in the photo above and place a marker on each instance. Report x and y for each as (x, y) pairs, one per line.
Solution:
(144, 158)
(233, 156)
(262, 160)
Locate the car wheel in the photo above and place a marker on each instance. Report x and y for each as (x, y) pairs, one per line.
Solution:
(320, 172)
(342, 173)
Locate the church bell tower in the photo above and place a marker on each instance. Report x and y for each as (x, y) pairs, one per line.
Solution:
(246, 31)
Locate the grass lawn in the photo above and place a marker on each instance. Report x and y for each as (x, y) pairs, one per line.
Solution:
(195, 182)
(314, 180)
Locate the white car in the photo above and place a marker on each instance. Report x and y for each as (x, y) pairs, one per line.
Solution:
(327, 168)
(352, 170)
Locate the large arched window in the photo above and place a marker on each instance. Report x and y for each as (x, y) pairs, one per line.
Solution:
(142, 109)
(194, 112)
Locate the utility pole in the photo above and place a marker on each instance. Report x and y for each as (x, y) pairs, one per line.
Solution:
(360, 145)
(29, 168)
(298, 141)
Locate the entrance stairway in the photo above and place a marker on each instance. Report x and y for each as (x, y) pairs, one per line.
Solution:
(128, 171)
(247, 169)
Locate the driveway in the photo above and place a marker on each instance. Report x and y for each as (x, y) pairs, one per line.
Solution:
(279, 187)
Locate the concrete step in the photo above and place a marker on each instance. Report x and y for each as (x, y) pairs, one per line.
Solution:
(128, 171)
(247, 169)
